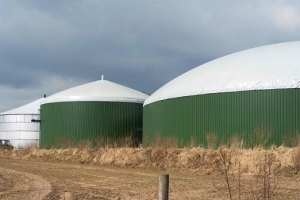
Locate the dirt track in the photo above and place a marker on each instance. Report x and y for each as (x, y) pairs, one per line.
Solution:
(71, 181)
(125, 174)
(22, 185)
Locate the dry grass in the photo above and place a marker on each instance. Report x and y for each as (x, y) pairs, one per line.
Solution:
(33, 145)
(262, 184)
(223, 167)
(212, 140)
(291, 141)
(266, 177)
(164, 142)
(260, 137)
(296, 158)
(198, 160)
(85, 144)
(243, 173)
(235, 141)
(64, 142)
(254, 173)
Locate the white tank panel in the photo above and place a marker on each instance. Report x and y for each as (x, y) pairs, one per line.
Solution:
(16, 125)
(18, 144)
(8, 127)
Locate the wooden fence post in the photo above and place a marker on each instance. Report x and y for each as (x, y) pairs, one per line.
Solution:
(163, 187)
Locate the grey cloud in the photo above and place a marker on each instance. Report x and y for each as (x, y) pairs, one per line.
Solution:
(139, 44)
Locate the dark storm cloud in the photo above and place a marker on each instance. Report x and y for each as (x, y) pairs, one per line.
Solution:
(47, 46)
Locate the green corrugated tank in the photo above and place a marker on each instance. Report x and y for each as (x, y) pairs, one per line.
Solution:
(251, 97)
(97, 112)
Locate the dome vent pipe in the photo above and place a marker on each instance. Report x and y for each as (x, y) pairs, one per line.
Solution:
(102, 77)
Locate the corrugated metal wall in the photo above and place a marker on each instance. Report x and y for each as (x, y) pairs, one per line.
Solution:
(88, 120)
(225, 114)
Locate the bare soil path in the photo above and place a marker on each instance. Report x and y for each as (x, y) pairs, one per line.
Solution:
(73, 181)
(20, 179)
(22, 185)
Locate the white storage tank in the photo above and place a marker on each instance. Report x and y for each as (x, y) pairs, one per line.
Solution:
(16, 125)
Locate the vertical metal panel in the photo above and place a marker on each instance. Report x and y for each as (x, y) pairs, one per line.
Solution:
(225, 114)
(88, 120)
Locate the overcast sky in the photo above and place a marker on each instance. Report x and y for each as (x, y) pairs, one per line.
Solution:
(49, 46)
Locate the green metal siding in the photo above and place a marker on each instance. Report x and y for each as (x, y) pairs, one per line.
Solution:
(88, 120)
(225, 115)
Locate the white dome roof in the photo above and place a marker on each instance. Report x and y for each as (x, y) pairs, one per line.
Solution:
(101, 90)
(31, 108)
(274, 66)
